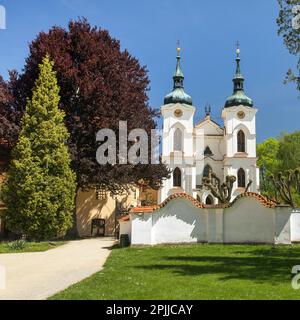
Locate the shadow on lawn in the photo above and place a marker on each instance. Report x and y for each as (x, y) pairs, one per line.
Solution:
(261, 265)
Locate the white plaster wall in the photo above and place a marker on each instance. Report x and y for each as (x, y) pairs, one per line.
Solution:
(125, 228)
(248, 221)
(233, 124)
(231, 120)
(215, 225)
(283, 225)
(216, 144)
(179, 222)
(185, 122)
(141, 229)
(295, 226)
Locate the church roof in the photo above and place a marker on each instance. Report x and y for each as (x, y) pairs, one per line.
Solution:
(178, 94)
(238, 97)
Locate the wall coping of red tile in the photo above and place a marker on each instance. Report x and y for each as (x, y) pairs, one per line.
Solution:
(148, 209)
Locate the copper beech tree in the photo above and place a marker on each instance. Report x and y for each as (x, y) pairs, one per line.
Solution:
(100, 85)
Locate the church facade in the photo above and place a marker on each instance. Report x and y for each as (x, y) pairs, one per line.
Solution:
(193, 151)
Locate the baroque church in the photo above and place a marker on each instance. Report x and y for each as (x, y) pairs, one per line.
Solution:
(193, 151)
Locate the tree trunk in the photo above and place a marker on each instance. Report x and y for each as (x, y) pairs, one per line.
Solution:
(72, 233)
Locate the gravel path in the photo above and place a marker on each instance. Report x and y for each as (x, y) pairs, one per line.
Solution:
(39, 275)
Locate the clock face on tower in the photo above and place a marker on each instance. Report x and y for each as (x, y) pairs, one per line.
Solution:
(241, 114)
(178, 113)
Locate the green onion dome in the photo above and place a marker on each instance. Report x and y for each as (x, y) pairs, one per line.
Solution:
(178, 95)
(238, 97)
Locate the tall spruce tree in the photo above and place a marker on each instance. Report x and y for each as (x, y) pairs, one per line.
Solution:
(40, 189)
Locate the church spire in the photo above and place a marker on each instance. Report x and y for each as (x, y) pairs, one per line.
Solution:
(238, 79)
(178, 75)
(238, 97)
(178, 95)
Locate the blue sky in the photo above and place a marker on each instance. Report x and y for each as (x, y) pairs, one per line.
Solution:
(208, 31)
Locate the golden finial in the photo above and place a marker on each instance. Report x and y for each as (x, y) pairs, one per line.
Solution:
(238, 51)
(178, 48)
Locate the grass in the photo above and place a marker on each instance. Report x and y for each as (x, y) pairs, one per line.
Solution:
(19, 246)
(192, 272)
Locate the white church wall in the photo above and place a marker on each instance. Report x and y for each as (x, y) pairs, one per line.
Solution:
(233, 124)
(232, 120)
(250, 141)
(216, 146)
(171, 122)
(248, 122)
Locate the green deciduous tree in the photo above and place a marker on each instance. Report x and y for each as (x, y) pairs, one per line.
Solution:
(267, 152)
(40, 188)
(279, 162)
(289, 151)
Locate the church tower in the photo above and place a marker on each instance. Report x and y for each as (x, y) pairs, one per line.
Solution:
(240, 136)
(177, 143)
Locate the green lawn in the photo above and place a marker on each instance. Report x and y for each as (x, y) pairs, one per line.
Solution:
(6, 247)
(193, 272)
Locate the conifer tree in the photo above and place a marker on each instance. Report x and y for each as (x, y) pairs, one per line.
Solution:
(40, 188)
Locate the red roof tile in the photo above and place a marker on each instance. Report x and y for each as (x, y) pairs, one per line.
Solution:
(182, 195)
(263, 200)
(144, 209)
(124, 218)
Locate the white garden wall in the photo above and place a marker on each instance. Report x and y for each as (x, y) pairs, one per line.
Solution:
(141, 229)
(295, 226)
(125, 228)
(247, 220)
(179, 222)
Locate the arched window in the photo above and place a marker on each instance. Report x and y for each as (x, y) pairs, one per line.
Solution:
(241, 141)
(206, 171)
(178, 141)
(209, 200)
(177, 178)
(241, 178)
(207, 151)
